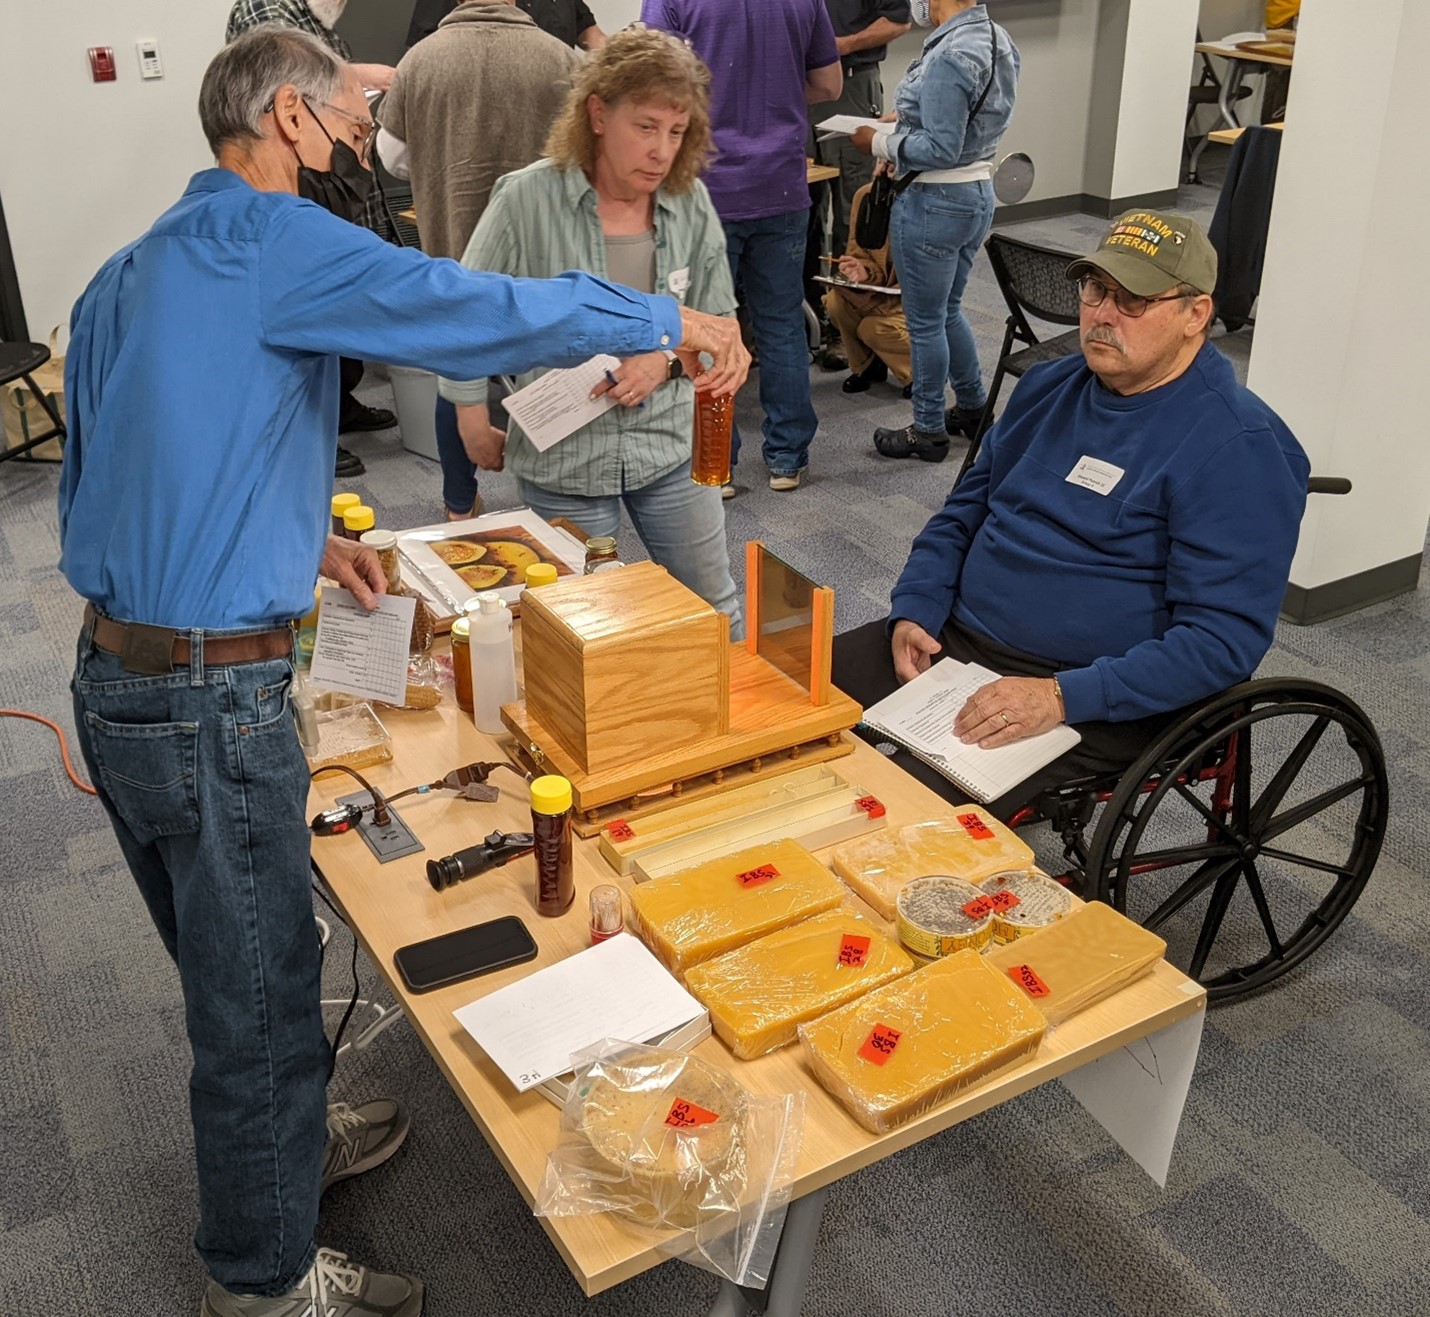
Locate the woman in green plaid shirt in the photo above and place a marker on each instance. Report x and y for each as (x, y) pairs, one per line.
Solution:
(619, 196)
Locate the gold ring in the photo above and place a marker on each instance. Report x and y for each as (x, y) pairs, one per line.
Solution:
(1004, 716)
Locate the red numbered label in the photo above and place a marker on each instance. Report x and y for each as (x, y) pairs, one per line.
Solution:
(975, 827)
(760, 875)
(879, 1045)
(686, 1115)
(1025, 977)
(620, 830)
(871, 805)
(979, 907)
(854, 950)
(1004, 900)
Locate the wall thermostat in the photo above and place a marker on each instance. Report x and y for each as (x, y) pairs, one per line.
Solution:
(149, 64)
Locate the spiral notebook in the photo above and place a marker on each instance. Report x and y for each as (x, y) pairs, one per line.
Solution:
(919, 717)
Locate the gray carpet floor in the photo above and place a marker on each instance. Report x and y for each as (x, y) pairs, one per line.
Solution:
(1301, 1180)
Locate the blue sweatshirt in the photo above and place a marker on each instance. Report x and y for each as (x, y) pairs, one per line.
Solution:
(1152, 588)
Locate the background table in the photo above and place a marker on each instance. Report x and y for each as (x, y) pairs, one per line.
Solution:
(391, 905)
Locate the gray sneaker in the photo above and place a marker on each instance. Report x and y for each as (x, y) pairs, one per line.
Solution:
(360, 1138)
(333, 1287)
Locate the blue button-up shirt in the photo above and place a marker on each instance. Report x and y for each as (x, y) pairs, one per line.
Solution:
(202, 388)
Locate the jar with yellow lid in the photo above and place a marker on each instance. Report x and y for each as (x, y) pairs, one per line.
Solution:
(385, 543)
(357, 520)
(539, 574)
(341, 503)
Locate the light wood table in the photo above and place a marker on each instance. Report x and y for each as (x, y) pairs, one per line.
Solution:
(1238, 63)
(1226, 136)
(391, 905)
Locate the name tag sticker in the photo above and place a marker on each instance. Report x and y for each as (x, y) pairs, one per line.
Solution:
(1100, 477)
(678, 282)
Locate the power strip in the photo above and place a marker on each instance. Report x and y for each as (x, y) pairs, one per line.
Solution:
(389, 842)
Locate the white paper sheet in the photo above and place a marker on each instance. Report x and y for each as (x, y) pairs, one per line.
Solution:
(615, 989)
(846, 125)
(363, 653)
(560, 403)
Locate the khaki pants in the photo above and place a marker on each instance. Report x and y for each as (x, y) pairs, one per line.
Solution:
(879, 332)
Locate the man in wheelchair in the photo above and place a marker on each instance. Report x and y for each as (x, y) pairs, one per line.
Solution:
(1120, 548)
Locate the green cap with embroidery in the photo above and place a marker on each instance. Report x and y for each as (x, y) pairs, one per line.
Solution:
(1150, 252)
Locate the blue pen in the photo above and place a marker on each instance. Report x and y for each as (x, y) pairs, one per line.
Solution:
(613, 381)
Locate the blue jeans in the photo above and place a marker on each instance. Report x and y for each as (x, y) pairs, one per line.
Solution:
(767, 265)
(205, 784)
(681, 524)
(459, 474)
(936, 231)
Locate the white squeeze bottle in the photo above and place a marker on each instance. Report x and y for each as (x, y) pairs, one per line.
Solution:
(493, 662)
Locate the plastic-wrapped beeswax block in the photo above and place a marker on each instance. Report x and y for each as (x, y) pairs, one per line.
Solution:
(902, 1049)
(758, 994)
(971, 845)
(1084, 957)
(698, 913)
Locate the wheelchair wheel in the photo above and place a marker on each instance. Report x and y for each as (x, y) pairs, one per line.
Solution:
(1246, 833)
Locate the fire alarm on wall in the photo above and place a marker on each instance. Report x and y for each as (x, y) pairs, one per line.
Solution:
(101, 63)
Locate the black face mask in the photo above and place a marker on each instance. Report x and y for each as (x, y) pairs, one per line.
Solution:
(343, 187)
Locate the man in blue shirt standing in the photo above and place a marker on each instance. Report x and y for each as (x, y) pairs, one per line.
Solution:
(202, 381)
(767, 60)
(1120, 548)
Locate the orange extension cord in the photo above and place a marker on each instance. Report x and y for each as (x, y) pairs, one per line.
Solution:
(64, 749)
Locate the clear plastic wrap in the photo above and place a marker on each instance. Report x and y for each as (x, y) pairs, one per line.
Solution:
(700, 913)
(971, 845)
(670, 1140)
(903, 1049)
(939, 915)
(758, 994)
(351, 735)
(1025, 902)
(1079, 960)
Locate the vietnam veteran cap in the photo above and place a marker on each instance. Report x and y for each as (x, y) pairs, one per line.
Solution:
(1150, 252)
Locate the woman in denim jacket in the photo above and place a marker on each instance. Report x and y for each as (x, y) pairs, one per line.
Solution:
(951, 109)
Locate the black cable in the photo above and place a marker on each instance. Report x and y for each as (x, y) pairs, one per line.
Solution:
(352, 1004)
(380, 815)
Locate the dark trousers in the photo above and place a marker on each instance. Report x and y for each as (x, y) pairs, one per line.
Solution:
(864, 669)
(350, 375)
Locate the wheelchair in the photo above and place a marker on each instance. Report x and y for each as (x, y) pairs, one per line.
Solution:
(1243, 835)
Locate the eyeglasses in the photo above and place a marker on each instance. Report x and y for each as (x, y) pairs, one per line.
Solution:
(366, 127)
(1091, 291)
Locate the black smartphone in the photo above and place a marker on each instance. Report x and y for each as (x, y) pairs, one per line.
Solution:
(464, 954)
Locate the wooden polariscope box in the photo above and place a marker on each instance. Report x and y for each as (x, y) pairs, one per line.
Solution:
(635, 693)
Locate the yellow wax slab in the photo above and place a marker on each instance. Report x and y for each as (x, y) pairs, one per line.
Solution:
(971, 845)
(699, 913)
(902, 1049)
(758, 994)
(1084, 957)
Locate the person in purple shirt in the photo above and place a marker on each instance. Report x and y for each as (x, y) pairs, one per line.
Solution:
(768, 59)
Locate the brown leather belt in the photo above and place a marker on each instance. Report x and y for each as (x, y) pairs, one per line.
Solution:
(156, 650)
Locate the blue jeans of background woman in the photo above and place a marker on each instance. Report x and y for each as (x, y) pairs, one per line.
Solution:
(936, 231)
(681, 523)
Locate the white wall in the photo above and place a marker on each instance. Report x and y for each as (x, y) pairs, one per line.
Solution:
(87, 166)
(1341, 339)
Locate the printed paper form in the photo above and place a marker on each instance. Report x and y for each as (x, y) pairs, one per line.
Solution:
(922, 713)
(362, 653)
(846, 125)
(560, 403)
(616, 989)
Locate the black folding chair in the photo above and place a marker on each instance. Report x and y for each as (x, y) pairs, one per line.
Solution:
(1034, 282)
(17, 362)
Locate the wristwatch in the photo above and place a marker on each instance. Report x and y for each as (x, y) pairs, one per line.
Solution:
(674, 367)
